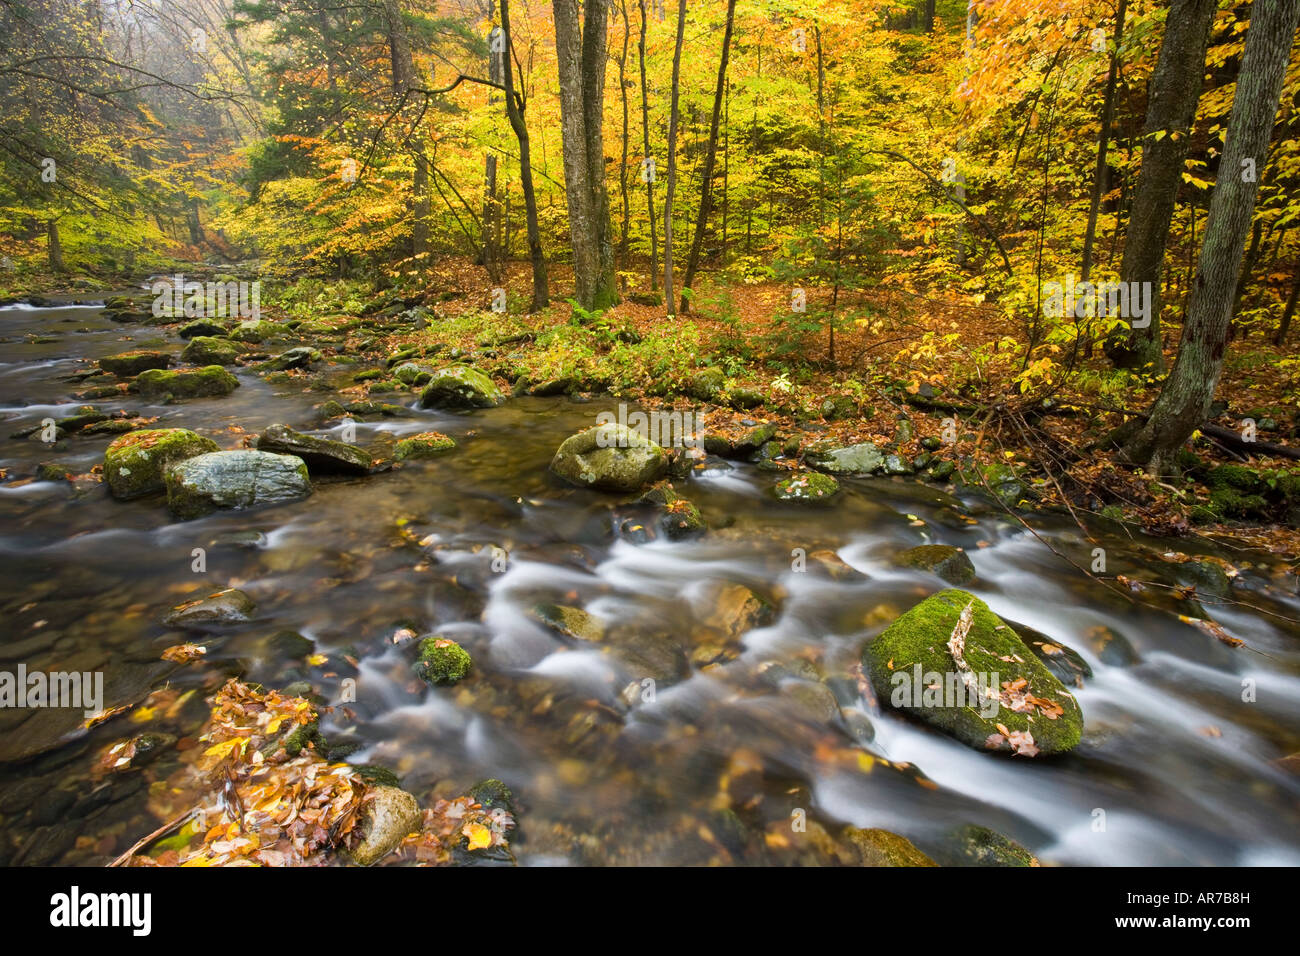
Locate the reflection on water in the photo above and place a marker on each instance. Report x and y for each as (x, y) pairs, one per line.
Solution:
(639, 748)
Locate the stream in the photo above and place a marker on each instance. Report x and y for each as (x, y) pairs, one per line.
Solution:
(1175, 768)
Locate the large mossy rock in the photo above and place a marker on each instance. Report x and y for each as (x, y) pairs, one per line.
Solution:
(609, 457)
(388, 815)
(997, 657)
(459, 386)
(322, 455)
(423, 445)
(135, 463)
(127, 364)
(861, 459)
(210, 381)
(210, 350)
(234, 479)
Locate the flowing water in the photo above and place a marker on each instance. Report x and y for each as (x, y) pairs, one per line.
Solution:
(607, 767)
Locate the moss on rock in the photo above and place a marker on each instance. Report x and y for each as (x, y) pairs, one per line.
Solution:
(211, 380)
(442, 661)
(609, 457)
(911, 666)
(877, 847)
(423, 445)
(135, 463)
(459, 386)
(807, 487)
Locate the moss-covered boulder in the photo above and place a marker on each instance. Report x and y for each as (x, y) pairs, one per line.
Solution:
(210, 381)
(682, 520)
(127, 364)
(609, 457)
(203, 327)
(881, 848)
(808, 487)
(441, 661)
(387, 816)
(234, 479)
(409, 373)
(254, 331)
(706, 384)
(423, 445)
(210, 350)
(947, 562)
(322, 455)
(954, 664)
(861, 459)
(135, 463)
(1244, 493)
(459, 386)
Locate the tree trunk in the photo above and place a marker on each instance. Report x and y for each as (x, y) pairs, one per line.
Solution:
(1284, 326)
(1185, 399)
(1174, 91)
(710, 160)
(55, 247)
(580, 51)
(1103, 141)
(403, 73)
(515, 113)
(491, 229)
(672, 162)
(650, 185)
(624, 238)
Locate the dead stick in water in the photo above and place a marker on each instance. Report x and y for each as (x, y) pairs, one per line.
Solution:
(162, 831)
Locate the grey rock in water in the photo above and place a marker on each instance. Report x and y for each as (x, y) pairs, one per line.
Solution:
(611, 458)
(234, 479)
(320, 454)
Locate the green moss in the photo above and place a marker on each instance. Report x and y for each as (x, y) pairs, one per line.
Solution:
(491, 794)
(974, 845)
(459, 386)
(423, 445)
(211, 380)
(993, 652)
(442, 661)
(881, 848)
(807, 487)
(210, 350)
(379, 776)
(135, 463)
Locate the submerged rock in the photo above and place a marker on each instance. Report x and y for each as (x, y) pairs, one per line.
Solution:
(974, 845)
(126, 364)
(572, 622)
(230, 606)
(459, 386)
(1020, 705)
(136, 463)
(320, 454)
(234, 479)
(388, 815)
(210, 381)
(951, 564)
(609, 457)
(881, 848)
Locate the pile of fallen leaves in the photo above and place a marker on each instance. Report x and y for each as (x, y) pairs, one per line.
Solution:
(259, 804)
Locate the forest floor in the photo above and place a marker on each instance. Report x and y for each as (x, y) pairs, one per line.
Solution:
(946, 365)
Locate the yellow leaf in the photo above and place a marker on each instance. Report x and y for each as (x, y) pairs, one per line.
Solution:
(479, 836)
